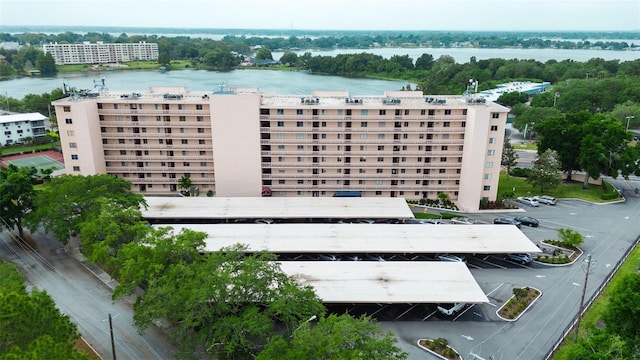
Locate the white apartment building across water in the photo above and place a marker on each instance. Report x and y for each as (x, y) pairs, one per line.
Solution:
(101, 53)
(242, 142)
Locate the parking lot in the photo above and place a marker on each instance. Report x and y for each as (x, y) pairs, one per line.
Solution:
(608, 230)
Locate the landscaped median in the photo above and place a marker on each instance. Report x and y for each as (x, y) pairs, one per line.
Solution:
(521, 301)
(440, 348)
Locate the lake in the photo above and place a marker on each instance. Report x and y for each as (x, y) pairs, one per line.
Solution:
(281, 82)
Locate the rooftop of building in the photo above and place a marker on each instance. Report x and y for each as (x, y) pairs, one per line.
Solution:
(387, 282)
(275, 207)
(367, 238)
(4, 119)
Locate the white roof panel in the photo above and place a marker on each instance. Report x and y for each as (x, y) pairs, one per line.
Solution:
(387, 282)
(275, 207)
(22, 117)
(368, 238)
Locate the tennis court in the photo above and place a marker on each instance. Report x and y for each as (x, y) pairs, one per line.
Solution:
(42, 160)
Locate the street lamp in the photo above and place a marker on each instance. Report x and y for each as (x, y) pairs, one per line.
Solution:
(629, 118)
(555, 97)
(586, 266)
(313, 317)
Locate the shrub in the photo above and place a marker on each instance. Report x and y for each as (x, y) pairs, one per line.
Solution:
(441, 343)
(520, 172)
(609, 196)
(210, 193)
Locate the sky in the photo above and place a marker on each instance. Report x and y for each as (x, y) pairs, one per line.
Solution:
(462, 15)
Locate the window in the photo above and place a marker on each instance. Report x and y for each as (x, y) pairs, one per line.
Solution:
(69, 132)
(443, 159)
(299, 112)
(464, 111)
(383, 112)
(301, 136)
(120, 129)
(378, 182)
(73, 145)
(380, 136)
(202, 153)
(494, 127)
(198, 106)
(186, 163)
(363, 124)
(380, 159)
(66, 108)
(68, 121)
(491, 152)
(200, 130)
(182, 118)
(423, 112)
(123, 152)
(447, 111)
(445, 147)
(363, 136)
(201, 142)
(446, 124)
(299, 123)
(486, 187)
(280, 123)
(348, 112)
(379, 171)
(432, 112)
(489, 164)
(184, 141)
(199, 118)
(380, 147)
(74, 157)
(495, 115)
(487, 176)
(280, 111)
(76, 168)
(364, 112)
(381, 124)
(492, 140)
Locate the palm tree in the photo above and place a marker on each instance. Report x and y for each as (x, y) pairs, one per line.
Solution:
(443, 197)
(185, 184)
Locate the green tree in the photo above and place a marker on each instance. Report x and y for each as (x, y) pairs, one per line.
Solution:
(104, 235)
(424, 62)
(334, 337)
(185, 184)
(512, 98)
(570, 238)
(546, 171)
(561, 134)
(225, 303)
(164, 59)
(264, 53)
(289, 59)
(623, 309)
(16, 196)
(628, 113)
(70, 200)
(509, 156)
(533, 115)
(46, 64)
(31, 326)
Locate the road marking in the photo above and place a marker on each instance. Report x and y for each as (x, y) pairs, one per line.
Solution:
(626, 218)
(588, 236)
(492, 291)
(467, 337)
(573, 214)
(477, 314)
(576, 284)
(607, 265)
(492, 304)
(541, 276)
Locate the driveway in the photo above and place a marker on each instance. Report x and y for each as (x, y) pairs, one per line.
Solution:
(85, 299)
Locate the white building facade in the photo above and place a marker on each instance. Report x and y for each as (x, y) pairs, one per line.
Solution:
(101, 53)
(14, 128)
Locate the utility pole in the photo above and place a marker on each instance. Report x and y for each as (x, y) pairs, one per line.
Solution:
(584, 290)
(113, 343)
(629, 118)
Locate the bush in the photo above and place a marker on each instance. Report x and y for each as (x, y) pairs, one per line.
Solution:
(210, 193)
(520, 172)
(609, 196)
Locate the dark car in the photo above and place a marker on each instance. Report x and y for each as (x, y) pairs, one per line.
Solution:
(507, 221)
(527, 220)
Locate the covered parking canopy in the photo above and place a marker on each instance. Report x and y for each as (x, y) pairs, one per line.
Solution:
(367, 238)
(184, 208)
(387, 282)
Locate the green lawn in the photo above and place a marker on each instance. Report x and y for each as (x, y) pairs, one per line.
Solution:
(594, 314)
(12, 150)
(571, 190)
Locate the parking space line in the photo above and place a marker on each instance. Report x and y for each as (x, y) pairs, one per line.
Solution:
(404, 313)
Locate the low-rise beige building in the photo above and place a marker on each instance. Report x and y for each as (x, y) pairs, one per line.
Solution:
(242, 142)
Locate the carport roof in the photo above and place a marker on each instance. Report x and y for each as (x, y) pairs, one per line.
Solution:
(387, 282)
(367, 238)
(180, 208)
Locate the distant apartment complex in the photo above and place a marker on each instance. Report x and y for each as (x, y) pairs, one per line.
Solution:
(14, 128)
(242, 142)
(101, 53)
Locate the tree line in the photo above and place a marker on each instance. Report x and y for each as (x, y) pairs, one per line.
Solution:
(226, 304)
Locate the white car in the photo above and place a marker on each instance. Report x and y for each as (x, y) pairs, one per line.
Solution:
(451, 258)
(528, 201)
(546, 199)
(462, 220)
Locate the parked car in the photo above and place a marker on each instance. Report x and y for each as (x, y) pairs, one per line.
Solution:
(451, 308)
(451, 258)
(462, 220)
(546, 199)
(519, 258)
(527, 220)
(528, 201)
(507, 221)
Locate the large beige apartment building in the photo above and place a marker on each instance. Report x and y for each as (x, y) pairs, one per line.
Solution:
(100, 52)
(243, 142)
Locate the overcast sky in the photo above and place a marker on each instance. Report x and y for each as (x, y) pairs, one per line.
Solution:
(569, 15)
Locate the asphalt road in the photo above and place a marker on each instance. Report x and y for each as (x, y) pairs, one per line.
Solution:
(609, 230)
(86, 300)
